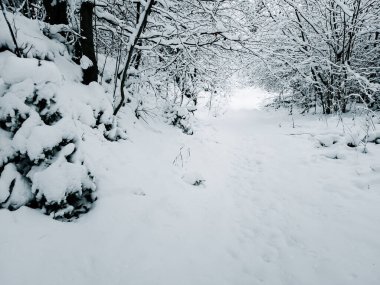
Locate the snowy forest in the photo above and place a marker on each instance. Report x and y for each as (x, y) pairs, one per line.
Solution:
(190, 142)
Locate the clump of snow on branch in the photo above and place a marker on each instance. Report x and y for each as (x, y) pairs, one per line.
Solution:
(85, 62)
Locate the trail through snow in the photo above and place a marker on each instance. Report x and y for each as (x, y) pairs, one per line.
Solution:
(274, 209)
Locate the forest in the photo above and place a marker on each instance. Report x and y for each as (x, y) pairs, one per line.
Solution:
(190, 142)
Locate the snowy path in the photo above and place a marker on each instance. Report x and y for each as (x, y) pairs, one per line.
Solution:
(299, 220)
(275, 209)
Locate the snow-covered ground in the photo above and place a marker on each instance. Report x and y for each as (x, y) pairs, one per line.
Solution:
(274, 205)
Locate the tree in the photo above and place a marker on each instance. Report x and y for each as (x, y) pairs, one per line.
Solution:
(186, 43)
(87, 47)
(325, 52)
(56, 11)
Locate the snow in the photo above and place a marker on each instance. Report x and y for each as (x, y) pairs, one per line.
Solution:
(86, 107)
(11, 179)
(193, 178)
(344, 8)
(85, 62)
(242, 99)
(34, 44)
(29, 38)
(60, 178)
(6, 149)
(9, 173)
(10, 105)
(44, 114)
(102, 14)
(275, 209)
(327, 140)
(182, 112)
(14, 70)
(42, 138)
(374, 136)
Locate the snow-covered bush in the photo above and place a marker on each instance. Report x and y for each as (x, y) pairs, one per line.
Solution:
(43, 119)
(45, 114)
(179, 117)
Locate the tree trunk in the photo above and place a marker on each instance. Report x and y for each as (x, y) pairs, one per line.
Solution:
(132, 43)
(87, 42)
(57, 13)
(138, 53)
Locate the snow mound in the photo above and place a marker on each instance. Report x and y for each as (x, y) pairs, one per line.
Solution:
(193, 178)
(335, 154)
(327, 140)
(374, 137)
(22, 68)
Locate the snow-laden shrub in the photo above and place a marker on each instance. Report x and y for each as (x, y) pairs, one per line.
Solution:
(179, 117)
(65, 188)
(42, 123)
(44, 115)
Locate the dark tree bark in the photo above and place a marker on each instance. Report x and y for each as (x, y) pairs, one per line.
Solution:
(87, 42)
(140, 27)
(138, 54)
(56, 14)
